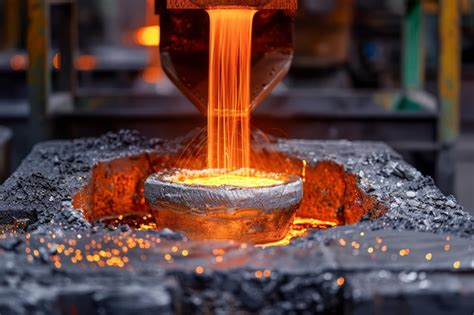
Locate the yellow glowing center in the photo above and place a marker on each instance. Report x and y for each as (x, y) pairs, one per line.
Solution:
(231, 180)
(148, 36)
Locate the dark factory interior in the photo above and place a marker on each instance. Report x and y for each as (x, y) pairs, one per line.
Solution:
(236, 157)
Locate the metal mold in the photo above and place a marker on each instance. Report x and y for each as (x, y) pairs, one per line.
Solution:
(256, 214)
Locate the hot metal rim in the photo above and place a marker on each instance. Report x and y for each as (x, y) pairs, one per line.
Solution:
(160, 191)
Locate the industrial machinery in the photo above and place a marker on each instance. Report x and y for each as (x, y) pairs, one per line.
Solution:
(127, 224)
(405, 118)
(226, 57)
(185, 52)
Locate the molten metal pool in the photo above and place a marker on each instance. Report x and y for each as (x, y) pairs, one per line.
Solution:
(244, 178)
(244, 205)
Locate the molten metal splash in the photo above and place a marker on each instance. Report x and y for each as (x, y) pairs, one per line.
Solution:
(299, 228)
(229, 88)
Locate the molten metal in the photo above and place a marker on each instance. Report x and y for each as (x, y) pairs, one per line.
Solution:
(201, 211)
(228, 200)
(231, 180)
(228, 114)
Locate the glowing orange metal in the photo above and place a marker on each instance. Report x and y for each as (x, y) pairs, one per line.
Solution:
(231, 180)
(228, 115)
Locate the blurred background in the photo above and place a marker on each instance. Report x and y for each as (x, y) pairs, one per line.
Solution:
(398, 71)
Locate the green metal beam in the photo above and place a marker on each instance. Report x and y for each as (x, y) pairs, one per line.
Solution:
(413, 58)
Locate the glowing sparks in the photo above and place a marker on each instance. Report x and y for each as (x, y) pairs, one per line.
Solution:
(340, 281)
(199, 270)
(404, 252)
(355, 245)
(457, 264)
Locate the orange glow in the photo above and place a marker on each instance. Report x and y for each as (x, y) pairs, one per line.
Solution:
(199, 270)
(340, 281)
(152, 75)
(232, 180)
(19, 62)
(229, 88)
(114, 194)
(148, 36)
(57, 61)
(404, 252)
(299, 228)
(86, 63)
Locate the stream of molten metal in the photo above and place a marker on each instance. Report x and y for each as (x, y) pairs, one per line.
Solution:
(229, 89)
